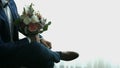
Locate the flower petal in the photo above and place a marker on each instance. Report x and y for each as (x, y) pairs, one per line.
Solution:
(34, 19)
(27, 20)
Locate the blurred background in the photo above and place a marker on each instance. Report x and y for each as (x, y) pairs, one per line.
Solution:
(89, 27)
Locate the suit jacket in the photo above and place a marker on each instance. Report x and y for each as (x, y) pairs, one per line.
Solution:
(20, 52)
(9, 49)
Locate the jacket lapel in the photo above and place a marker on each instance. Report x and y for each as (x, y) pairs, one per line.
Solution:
(3, 15)
(4, 21)
(13, 9)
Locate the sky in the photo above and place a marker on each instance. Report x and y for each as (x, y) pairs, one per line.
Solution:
(89, 27)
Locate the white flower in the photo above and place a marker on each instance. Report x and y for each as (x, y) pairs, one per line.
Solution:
(27, 20)
(28, 10)
(25, 12)
(35, 19)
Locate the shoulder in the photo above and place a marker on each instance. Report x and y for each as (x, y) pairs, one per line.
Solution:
(11, 1)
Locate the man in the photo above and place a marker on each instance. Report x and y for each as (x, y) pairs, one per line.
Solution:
(16, 53)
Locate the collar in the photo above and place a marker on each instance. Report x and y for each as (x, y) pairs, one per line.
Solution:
(4, 3)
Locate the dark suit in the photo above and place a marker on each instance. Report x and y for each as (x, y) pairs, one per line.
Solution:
(20, 52)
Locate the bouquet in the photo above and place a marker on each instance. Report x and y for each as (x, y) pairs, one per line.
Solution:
(31, 22)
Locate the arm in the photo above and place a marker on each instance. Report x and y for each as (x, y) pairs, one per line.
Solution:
(46, 43)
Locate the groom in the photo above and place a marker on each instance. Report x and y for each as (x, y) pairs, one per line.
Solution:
(27, 52)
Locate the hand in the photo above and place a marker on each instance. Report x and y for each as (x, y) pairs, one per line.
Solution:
(35, 38)
(46, 43)
(39, 40)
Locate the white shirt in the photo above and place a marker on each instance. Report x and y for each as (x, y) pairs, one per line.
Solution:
(9, 16)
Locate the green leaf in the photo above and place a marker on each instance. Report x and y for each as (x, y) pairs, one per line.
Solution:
(17, 21)
(45, 28)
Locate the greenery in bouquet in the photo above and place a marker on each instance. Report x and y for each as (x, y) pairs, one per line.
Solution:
(31, 22)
